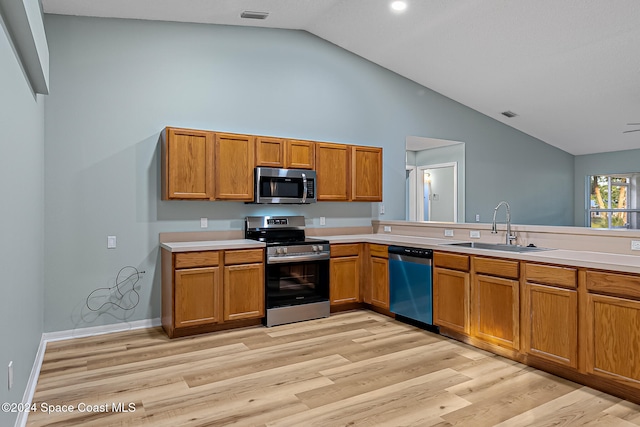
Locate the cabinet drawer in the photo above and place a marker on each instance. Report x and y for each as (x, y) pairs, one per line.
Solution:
(551, 275)
(496, 267)
(247, 256)
(197, 259)
(379, 251)
(614, 284)
(451, 261)
(351, 249)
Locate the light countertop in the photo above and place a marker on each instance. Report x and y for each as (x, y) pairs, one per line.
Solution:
(211, 245)
(596, 260)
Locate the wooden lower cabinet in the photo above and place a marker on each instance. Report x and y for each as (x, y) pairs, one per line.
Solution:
(200, 292)
(550, 323)
(451, 292)
(613, 338)
(243, 291)
(496, 310)
(344, 285)
(197, 296)
(550, 313)
(379, 276)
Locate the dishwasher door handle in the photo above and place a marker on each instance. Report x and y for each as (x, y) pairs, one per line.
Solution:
(407, 258)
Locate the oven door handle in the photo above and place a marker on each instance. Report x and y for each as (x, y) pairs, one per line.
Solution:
(297, 258)
(304, 188)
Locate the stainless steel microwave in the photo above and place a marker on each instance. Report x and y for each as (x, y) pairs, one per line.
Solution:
(274, 185)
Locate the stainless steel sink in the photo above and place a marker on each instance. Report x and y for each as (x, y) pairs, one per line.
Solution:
(499, 247)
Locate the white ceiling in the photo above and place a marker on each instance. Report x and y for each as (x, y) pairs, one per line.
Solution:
(570, 69)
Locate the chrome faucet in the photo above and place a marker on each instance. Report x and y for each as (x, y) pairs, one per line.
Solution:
(494, 229)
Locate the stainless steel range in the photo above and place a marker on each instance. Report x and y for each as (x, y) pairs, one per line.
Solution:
(297, 271)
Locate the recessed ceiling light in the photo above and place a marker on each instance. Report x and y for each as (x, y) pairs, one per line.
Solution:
(399, 6)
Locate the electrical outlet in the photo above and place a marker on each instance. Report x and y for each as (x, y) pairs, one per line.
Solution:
(323, 221)
(387, 229)
(448, 233)
(477, 217)
(635, 245)
(204, 222)
(111, 242)
(381, 209)
(10, 375)
(474, 234)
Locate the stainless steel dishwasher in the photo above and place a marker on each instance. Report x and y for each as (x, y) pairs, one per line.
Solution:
(410, 283)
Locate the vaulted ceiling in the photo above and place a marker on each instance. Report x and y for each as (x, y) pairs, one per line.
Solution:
(569, 69)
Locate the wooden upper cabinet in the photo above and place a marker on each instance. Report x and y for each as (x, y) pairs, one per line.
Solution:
(300, 154)
(366, 174)
(333, 172)
(187, 157)
(270, 152)
(233, 166)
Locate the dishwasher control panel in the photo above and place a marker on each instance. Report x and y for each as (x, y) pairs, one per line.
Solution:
(416, 252)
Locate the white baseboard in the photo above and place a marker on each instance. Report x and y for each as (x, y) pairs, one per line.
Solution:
(47, 337)
(27, 398)
(99, 330)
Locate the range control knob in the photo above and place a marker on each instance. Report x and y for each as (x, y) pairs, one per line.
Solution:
(279, 251)
(284, 250)
(314, 248)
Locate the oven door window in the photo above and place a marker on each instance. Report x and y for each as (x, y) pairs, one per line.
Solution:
(297, 283)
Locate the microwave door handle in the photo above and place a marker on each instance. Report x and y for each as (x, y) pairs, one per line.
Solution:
(304, 188)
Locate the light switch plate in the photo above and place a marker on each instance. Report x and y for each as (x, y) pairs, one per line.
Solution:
(448, 233)
(387, 229)
(111, 242)
(323, 220)
(474, 234)
(204, 222)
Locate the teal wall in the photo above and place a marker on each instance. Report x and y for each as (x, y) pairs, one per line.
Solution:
(599, 164)
(116, 83)
(21, 223)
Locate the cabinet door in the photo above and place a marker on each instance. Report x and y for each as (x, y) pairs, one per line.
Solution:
(496, 311)
(451, 299)
(270, 152)
(380, 282)
(366, 174)
(613, 338)
(550, 323)
(233, 171)
(197, 297)
(300, 154)
(244, 291)
(333, 172)
(345, 280)
(188, 164)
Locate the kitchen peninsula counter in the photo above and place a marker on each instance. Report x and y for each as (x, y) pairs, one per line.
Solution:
(586, 259)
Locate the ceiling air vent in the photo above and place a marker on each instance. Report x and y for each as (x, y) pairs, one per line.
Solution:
(254, 15)
(509, 114)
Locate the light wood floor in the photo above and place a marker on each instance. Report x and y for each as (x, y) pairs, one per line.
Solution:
(355, 368)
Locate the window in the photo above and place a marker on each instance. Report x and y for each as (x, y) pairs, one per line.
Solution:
(613, 201)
